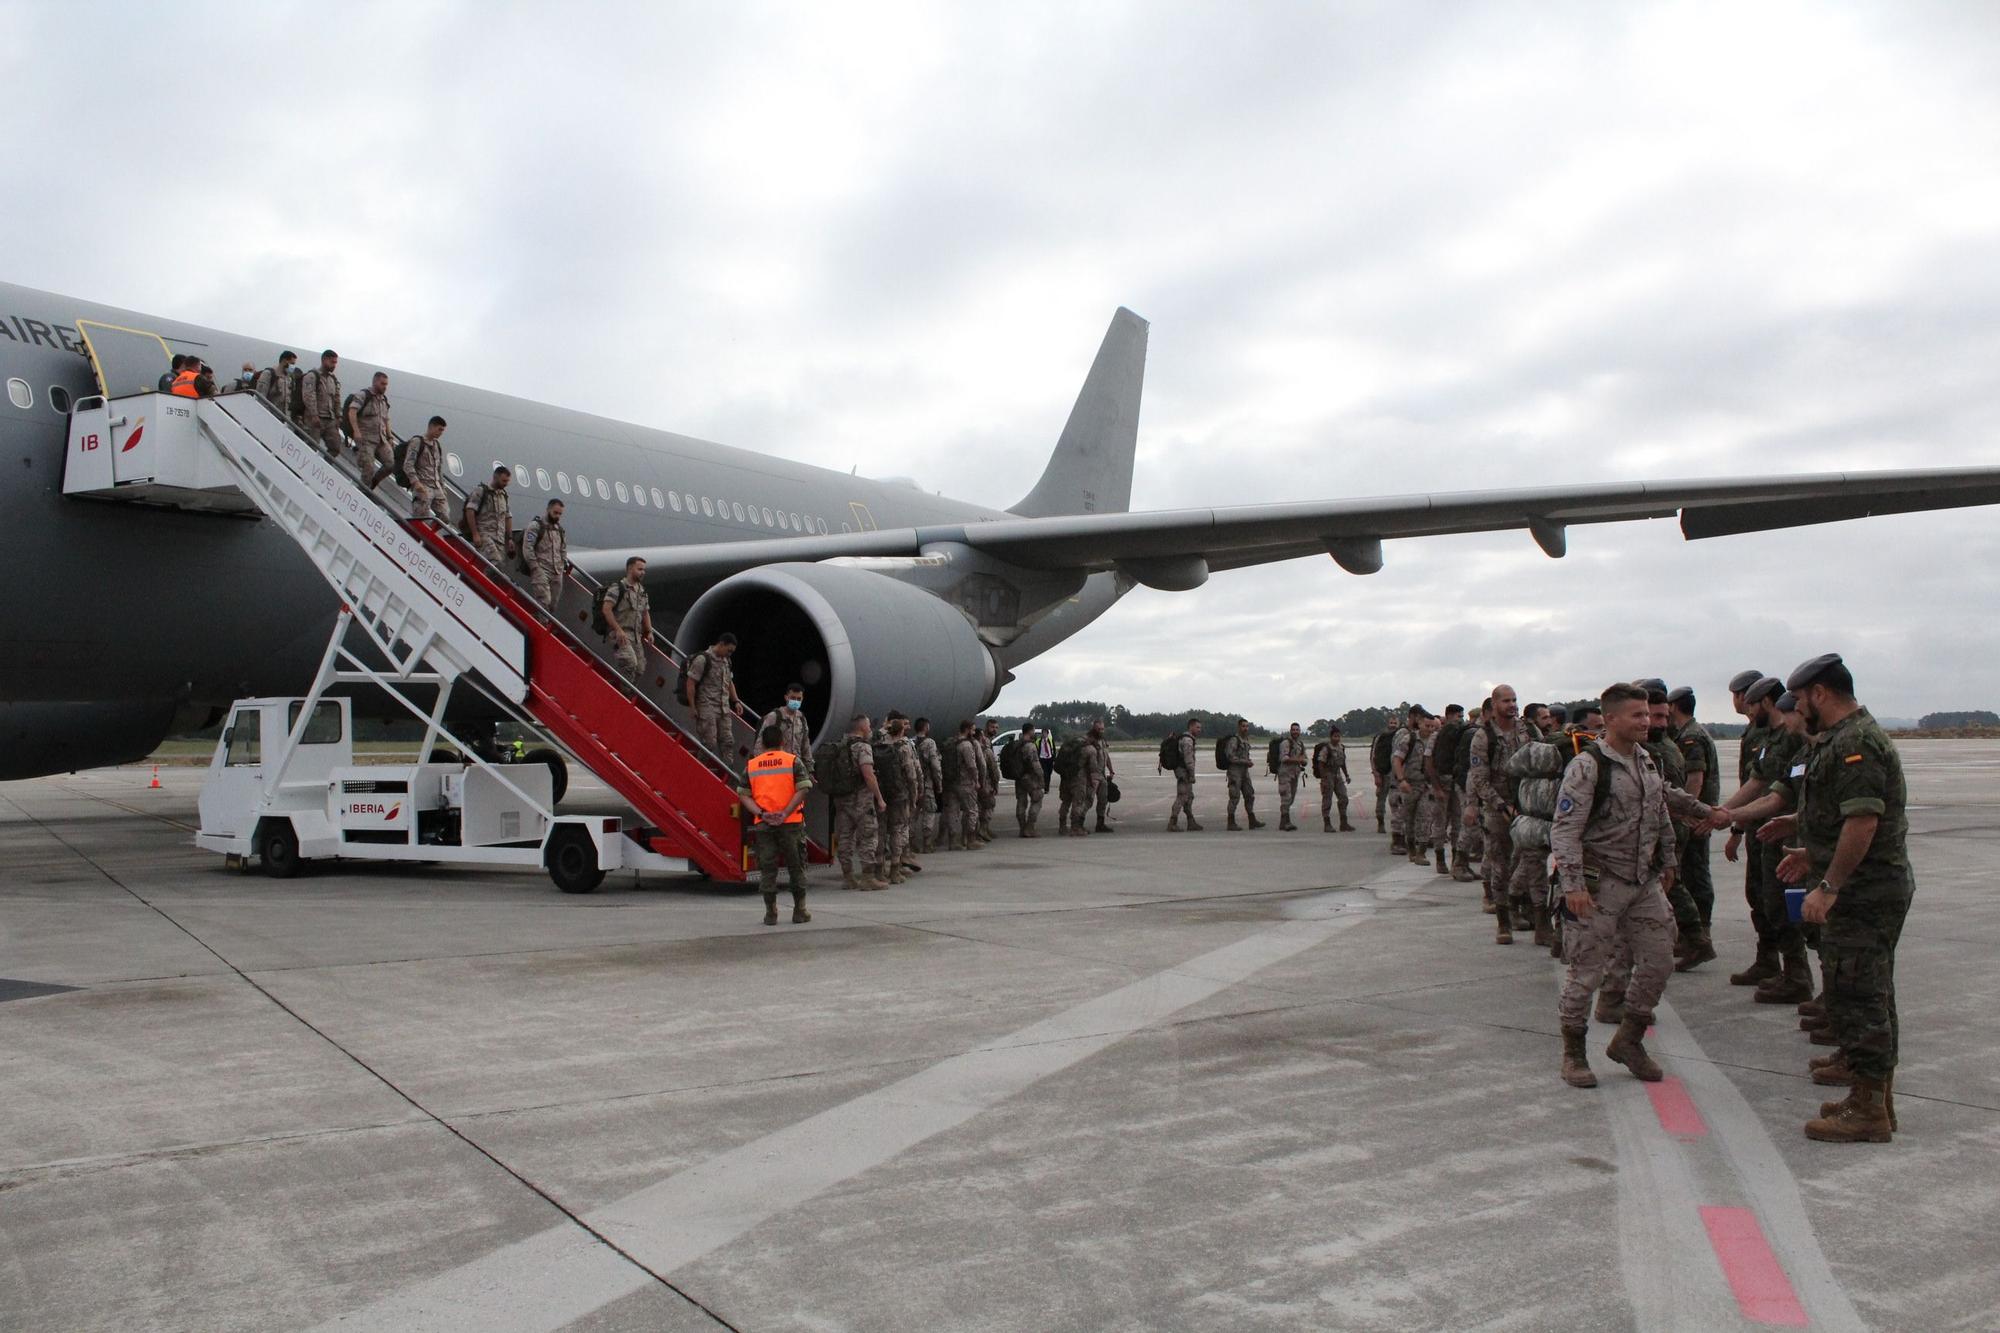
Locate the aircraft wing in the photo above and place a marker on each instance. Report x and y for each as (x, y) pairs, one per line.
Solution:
(1177, 548)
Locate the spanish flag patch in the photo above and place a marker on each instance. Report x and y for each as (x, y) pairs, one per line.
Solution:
(1854, 759)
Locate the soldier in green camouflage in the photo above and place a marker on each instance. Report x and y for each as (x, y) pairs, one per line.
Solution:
(1703, 781)
(1851, 828)
(1777, 757)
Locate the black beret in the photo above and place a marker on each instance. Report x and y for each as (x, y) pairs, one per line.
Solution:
(1788, 702)
(1680, 695)
(1652, 683)
(1743, 680)
(1767, 687)
(1805, 673)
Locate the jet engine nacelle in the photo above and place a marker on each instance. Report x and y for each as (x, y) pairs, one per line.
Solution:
(859, 641)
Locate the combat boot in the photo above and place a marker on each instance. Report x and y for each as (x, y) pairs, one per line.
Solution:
(1486, 904)
(872, 879)
(1103, 827)
(1327, 822)
(1760, 971)
(1285, 824)
(1503, 927)
(1174, 824)
(1808, 1023)
(1192, 826)
(1819, 1062)
(770, 909)
(1380, 826)
(1822, 1037)
(1862, 1118)
(1792, 985)
(1699, 950)
(1611, 1006)
(1396, 847)
(1541, 917)
(1442, 868)
(895, 875)
(847, 878)
(1417, 856)
(1232, 825)
(911, 867)
(1576, 1060)
(1251, 815)
(1346, 827)
(1835, 1073)
(799, 913)
(1461, 869)
(1827, 1109)
(1628, 1048)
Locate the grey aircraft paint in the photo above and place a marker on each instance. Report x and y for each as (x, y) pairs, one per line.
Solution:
(121, 620)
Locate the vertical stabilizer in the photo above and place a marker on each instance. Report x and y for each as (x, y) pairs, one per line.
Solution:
(1091, 469)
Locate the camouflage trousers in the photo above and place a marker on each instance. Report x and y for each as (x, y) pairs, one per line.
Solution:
(1426, 818)
(786, 842)
(1028, 799)
(926, 827)
(427, 498)
(1464, 838)
(1100, 795)
(1497, 870)
(854, 829)
(961, 809)
(1696, 879)
(896, 822)
(1382, 795)
(547, 587)
(1768, 901)
(1332, 793)
(1288, 792)
(1183, 796)
(494, 548)
(327, 431)
(1398, 812)
(1241, 791)
(1075, 800)
(631, 659)
(1857, 952)
(711, 726)
(1634, 915)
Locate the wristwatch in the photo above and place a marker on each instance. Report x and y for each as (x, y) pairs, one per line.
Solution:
(1827, 887)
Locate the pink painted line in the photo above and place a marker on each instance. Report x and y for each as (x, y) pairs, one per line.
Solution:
(1756, 1278)
(1676, 1109)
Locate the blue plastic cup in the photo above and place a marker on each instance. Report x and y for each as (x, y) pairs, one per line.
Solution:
(1795, 903)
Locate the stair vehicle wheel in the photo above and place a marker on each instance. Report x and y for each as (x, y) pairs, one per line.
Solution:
(558, 771)
(278, 848)
(572, 861)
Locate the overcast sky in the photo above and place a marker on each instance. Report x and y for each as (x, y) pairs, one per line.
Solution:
(1384, 248)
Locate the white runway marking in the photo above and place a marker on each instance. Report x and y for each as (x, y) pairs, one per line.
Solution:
(562, 1274)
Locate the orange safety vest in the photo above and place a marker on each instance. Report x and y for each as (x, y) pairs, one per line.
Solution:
(184, 384)
(772, 784)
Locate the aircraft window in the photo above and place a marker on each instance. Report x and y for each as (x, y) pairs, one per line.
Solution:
(244, 740)
(795, 522)
(690, 501)
(753, 516)
(59, 399)
(323, 728)
(542, 479)
(782, 525)
(739, 511)
(524, 474)
(603, 491)
(707, 506)
(674, 498)
(583, 485)
(639, 494)
(768, 520)
(562, 481)
(455, 464)
(624, 496)
(20, 395)
(658, 501)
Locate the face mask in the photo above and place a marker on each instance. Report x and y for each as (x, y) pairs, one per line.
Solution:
(795, 704)
(247, 376)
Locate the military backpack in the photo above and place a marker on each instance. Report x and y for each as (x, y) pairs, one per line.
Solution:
(1069, 759)
(1381, 753)
(834, 769)
(1170, 752)
(888, 773)
(614, 594)
(1271, 755)
(1016, 758)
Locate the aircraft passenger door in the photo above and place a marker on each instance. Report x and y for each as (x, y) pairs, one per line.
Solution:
(863, 520)
(126, 361)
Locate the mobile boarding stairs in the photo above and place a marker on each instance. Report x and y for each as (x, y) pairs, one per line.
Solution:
(435, 614)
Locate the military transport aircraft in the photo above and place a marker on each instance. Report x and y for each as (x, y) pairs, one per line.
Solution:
(122, 623)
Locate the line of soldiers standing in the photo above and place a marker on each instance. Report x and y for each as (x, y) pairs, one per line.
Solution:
(1622, 800)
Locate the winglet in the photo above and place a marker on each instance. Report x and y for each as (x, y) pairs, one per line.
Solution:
(1091, 469)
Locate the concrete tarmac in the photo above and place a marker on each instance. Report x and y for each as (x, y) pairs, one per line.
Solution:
(1150, 1080)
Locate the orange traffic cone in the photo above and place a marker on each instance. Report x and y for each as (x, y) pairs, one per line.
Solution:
(154, 785)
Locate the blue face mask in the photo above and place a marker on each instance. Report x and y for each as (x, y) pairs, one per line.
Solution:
(795, 704)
